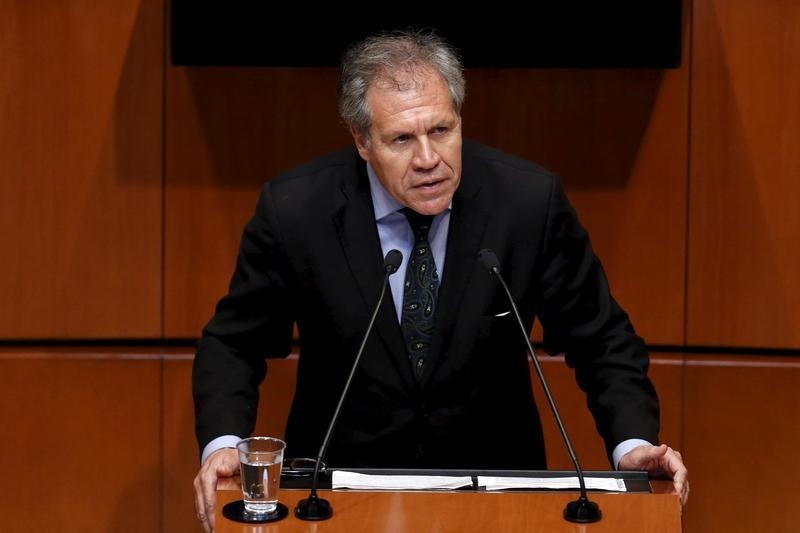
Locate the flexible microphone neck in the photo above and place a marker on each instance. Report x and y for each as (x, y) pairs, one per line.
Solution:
(314, 507)
(581, 510)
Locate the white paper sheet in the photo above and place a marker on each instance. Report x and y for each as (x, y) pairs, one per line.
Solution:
(343, 479)
(595, 483)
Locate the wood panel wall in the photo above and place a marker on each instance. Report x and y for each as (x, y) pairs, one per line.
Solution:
(80, 450)
(740, 434)
(229, 131)
(125, 183)
(80, 169)
(617, 138)
(108, 435)
(744, 221)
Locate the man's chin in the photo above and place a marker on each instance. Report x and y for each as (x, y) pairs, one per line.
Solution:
(431, 207)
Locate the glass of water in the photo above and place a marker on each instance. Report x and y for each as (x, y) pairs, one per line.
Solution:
(261, 459)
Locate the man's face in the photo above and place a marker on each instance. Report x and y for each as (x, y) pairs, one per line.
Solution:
(415, 142)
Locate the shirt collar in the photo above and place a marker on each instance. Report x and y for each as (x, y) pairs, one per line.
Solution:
(382, 202)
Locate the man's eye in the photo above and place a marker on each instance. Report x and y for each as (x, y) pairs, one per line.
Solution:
(440, 130)
(400, 139)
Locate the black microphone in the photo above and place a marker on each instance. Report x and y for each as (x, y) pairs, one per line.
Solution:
(581, 510)
(314, 507)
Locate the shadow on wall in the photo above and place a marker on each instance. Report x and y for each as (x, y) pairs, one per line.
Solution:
(239, 126)
(585, 125)
(258, 122)
(135, 144)
(252, 123)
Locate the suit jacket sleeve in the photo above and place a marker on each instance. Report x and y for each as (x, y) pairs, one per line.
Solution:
(253, 321)
(582, 320)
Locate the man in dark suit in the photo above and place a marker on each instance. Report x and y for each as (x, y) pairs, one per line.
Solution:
(445, 365)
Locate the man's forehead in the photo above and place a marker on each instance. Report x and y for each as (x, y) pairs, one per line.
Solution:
(407, 78)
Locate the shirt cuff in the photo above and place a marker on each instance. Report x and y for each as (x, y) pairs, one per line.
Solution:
(624, 447)
(225, 441)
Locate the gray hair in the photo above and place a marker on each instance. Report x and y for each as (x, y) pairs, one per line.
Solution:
(393, 57)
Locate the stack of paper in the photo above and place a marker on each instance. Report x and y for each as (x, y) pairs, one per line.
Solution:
(352, 480)
(343, 479)
(592, 483)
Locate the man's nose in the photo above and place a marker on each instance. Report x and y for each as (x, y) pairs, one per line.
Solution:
(425, 156)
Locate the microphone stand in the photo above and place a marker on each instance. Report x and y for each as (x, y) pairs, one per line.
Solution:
(581, 510)
(316, 508)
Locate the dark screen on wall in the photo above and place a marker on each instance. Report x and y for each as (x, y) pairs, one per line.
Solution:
(644, 34)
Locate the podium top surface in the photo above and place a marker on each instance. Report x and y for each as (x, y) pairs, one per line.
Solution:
(301, 479)
(465, 511)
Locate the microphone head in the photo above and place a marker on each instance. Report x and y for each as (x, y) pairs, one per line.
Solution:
(392, 261)
(489, 260)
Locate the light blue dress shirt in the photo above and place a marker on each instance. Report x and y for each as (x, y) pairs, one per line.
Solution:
(395, 234)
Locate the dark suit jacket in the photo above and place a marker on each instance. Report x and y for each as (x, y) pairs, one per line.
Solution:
(311, 254)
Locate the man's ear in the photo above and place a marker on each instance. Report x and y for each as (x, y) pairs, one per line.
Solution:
(362, 144)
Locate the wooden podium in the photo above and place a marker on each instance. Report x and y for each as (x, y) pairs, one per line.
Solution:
(467, 511)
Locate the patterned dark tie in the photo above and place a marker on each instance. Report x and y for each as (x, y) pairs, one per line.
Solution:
(419, 292)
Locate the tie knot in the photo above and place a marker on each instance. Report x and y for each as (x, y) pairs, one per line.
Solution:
(420, 224)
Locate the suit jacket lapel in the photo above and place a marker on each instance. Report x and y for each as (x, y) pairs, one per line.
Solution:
(358, 236)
